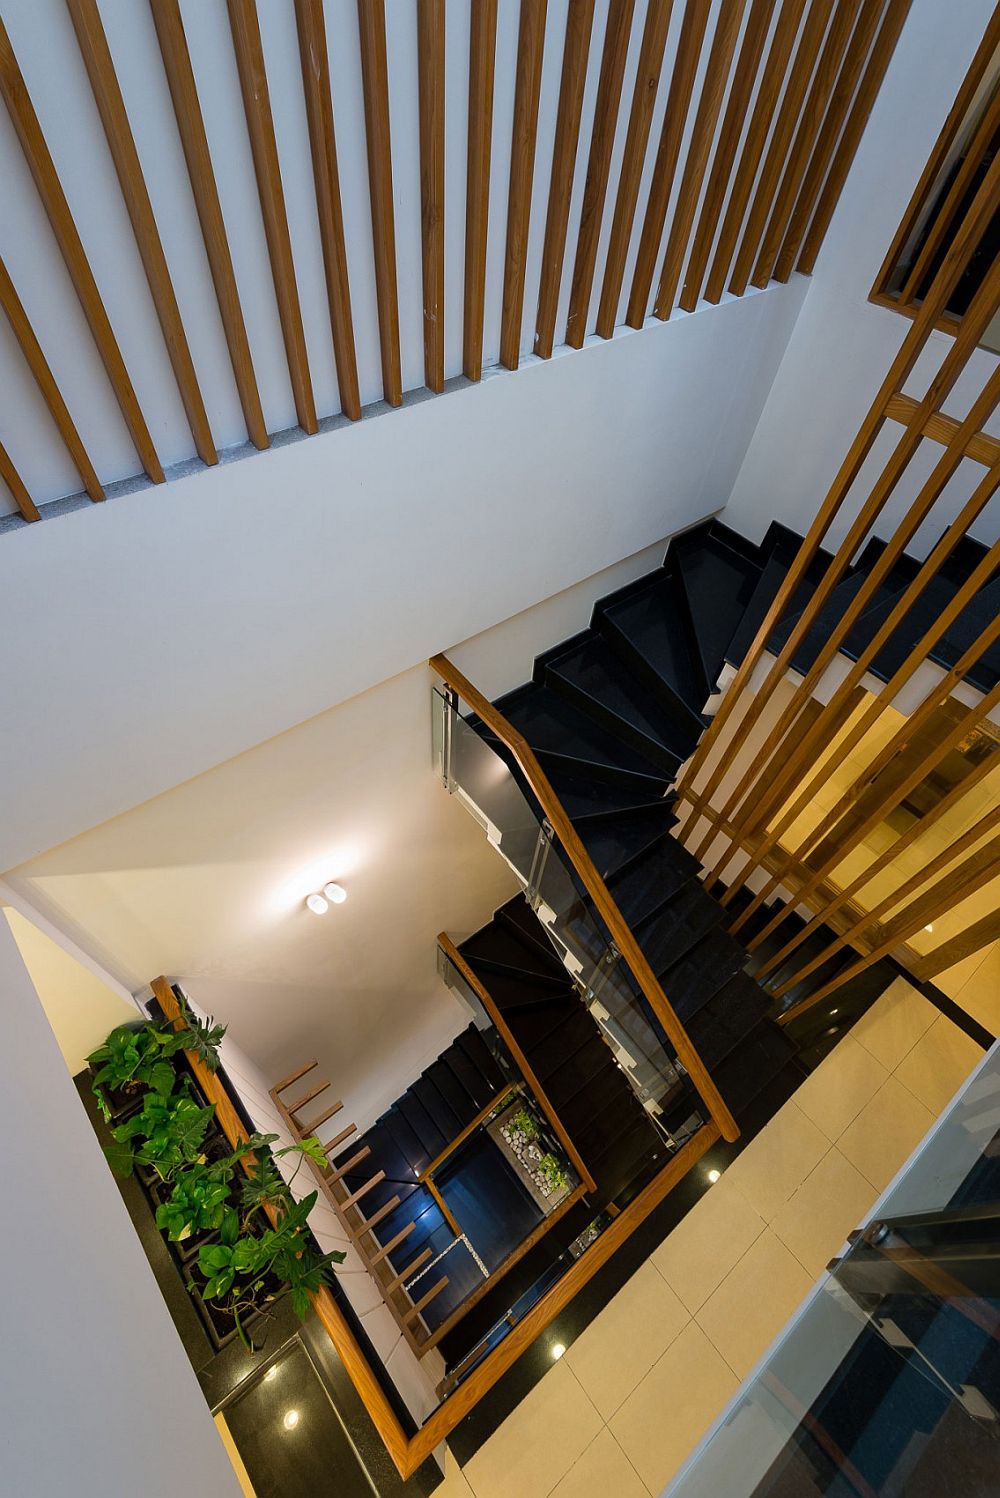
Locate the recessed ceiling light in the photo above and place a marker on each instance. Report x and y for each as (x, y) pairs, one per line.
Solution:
(335, 893)
(317, 904)
(713, 1176)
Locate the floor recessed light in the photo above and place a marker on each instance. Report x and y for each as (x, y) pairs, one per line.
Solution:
(713, 1176)
(291, 1419)
(558, 1349)
(928, 928)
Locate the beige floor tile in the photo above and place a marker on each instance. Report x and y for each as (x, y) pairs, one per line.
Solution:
(839, 1088)
(626, 1339)
(939, 1064)
(826, 1207)
(696, 1257)
(777, 1162)
(667, 1415)
(954, 979)
(603, 1471)
(454, 1485)
(885, 1132)
(979, 995)
(895, 1023)
(754, 1301)
(536, 1445)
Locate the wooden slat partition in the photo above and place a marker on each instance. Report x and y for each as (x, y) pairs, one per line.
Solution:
(706, 118)
(576, 52)
(602, 140)
(482, 61)
(245, 28)
(375, 81)
(45, 380)
(22, 116)
(527, 89)
(97, 59)
(14, 482)
(689, 46)
(981, 447)
(578, 856)
(980, 934)
(315, 64)
(724, 161)
(173, 45)
(430, 71)
(455, 957)
(647, 79)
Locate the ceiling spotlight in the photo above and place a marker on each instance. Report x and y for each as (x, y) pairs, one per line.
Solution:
(713, 1176)
(317, 904)
(335, 893)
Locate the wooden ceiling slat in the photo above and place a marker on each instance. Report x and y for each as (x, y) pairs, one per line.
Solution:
(647, 79)
(527, 89)
(430, 67)
(191, 128)
(375, 83)
(315, 61)
(602, 140)
(706, 118)
(15, 484)
(46, 382)
(576, 52)
(678, 102)
(107, 93)
(42, 167)
(482, 61)
(245, 28)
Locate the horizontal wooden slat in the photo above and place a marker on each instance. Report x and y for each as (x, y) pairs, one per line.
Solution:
(294, 1076)
(398, 1280)
(315, 1123)
(362, 1191)
(307, 1097)
(349, 1165)
(339, 1138)
(981, 447)
(391, 1246)
(425, 1300)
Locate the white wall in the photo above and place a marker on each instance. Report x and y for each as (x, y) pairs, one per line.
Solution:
(171, 629)
(842, 346)
(98, 1397)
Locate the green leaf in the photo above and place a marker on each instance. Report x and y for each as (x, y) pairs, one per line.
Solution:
(120, 1157)
(162, 1078)
(300, 1302)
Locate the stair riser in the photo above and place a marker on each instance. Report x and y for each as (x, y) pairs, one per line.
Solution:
(686, 716)
(605, 718)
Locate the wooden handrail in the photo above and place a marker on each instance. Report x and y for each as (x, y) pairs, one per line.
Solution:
(455, 957)
(621, 933)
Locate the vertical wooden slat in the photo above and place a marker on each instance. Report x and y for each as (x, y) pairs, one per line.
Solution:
(191, 128)
(713, 90)
(771, 83)
(430, 68)
(678, 102)
(482, 61)
(878, 61)
(817, 18)
(821, 89)
(315, 62)
(100, 67)
(45, 380)
(527, 87)
(15, 484)
(576, 51)
(647, 79)
(833, 121)
(602, 140)
(36, 152)
(245, 28)
(375, 81)
(724, 161)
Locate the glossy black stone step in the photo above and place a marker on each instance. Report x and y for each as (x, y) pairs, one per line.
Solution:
(439, 1110)
(595, 680)
(647, 628)
(518, 918)
(592, 1132)
(415, 1153)
(918, 619)
(779, 549)
(571, 1073)
(690, 981)
(480, 1088)
(553, 983)
(674, 927)
(644, 784)
(552, 725)
(969, 625)
(542, 1033)
(386, 1154)
(461, 1102)
(432, 1139)
(648, 881)
(830, 615)
(613, 842)
(751, 551)
(625, 1157)
(583, 799)
(512, 994)
(727, 1018)
(747, 1071)
(718, 585)
(481, 1057)
(498, 944)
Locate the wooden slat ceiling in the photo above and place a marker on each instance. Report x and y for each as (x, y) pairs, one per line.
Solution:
(325, 164)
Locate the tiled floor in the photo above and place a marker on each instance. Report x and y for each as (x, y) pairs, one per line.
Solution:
(617, 1414)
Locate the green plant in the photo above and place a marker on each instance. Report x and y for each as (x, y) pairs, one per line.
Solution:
(134, 1056)
(526, 1124)
(552, 1173)
(171, 1130)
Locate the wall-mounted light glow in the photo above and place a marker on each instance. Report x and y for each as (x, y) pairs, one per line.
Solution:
(291, 1419)
(557, 1351)
(335, 893)
(713, 1176)
(317, 904)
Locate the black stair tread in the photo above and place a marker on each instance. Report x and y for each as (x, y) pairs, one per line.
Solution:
(645, 625)
(461, 1102)
(481, 1057)
(691, 980)
(576, 1033)
(674, 928)
(614, 841)
(432, 1139)
(510, 995)
(610, 1122)
(576, 1071)
(582, 798)
(597, 681)
(751, 551)
(520, 920)
(748, 1069)
(625, 1157)
(551, 724)
(718, 584)
(827, 619)
(652, 878)
(917, 620)
(645, 783)
(780, 548)
(446, 1119)
(416, 1154)
(554, 983)
(496, 943)
(727, 1018)
(971, 622)
(614, 1107)
(546, 1033)
(386, 1155)
(479, 1088)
